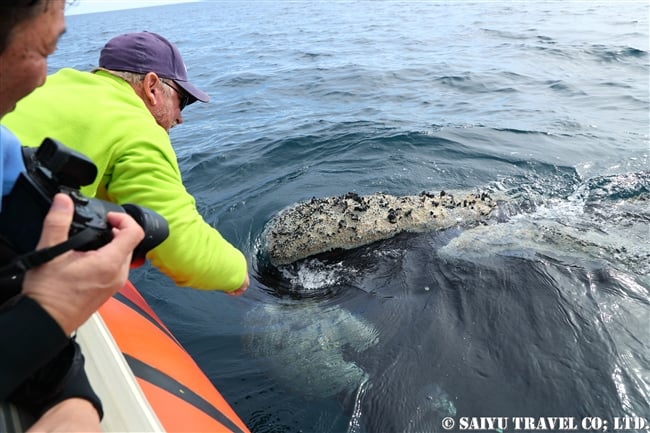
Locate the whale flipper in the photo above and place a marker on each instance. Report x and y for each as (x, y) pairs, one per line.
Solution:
(304, 343)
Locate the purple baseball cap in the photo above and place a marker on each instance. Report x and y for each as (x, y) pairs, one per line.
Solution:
(145, 52)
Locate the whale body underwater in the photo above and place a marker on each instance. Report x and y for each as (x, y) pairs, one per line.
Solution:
(410, 309)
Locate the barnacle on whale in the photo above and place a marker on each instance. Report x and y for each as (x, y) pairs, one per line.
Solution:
(350, 220)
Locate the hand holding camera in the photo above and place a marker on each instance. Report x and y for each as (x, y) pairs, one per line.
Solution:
(73, 285)
(51, 169)
(86, 245)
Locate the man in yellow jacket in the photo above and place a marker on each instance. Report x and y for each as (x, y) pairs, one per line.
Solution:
(119, 116)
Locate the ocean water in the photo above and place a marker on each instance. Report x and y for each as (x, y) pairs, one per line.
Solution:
(546, 313)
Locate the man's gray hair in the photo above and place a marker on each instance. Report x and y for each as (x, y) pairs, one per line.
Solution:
(129, 77)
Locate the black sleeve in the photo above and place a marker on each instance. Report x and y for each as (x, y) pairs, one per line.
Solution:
(30, 338)
(62, 378)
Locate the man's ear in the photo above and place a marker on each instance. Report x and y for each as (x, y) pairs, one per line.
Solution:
(151, 88)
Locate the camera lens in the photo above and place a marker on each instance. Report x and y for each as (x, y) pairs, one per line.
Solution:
(155, 229)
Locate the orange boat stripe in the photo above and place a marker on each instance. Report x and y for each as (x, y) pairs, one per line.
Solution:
(132, 305)
(172, 386)
(140, 338)
(132, 294)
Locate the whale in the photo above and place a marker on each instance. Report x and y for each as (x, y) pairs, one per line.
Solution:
(351, 220)
(411, 309)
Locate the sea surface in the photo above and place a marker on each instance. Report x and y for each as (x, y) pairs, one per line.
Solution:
(545, 313)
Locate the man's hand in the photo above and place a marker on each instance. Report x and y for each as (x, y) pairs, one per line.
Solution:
(242, 288)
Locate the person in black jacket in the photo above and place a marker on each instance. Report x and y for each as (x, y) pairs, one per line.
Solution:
(41, 367)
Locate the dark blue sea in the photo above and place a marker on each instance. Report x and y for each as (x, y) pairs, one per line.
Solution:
(543, 314)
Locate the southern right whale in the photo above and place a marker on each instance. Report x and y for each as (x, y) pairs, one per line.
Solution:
(534, 306)
(350, 221)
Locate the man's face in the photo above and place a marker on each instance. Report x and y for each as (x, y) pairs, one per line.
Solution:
(168, 112)
(23, 64)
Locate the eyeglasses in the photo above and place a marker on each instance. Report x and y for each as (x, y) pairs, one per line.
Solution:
(183, 97)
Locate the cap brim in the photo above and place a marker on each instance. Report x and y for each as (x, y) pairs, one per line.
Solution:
(193, 91)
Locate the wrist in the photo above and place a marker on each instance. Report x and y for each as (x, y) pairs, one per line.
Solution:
(77, 405)
(57, 314)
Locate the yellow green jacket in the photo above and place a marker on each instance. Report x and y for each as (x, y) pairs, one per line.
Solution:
(102, 117)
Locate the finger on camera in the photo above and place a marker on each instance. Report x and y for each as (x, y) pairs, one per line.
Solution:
(126, 229)
(56, 224)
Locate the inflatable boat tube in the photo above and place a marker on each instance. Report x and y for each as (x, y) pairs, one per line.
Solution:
(180, 395)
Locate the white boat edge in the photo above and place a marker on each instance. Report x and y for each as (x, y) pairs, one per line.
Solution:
(126, 409)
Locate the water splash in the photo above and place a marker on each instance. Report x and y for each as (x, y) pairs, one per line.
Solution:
(355, 418)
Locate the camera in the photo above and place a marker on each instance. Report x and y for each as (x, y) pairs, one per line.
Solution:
(54, 168)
